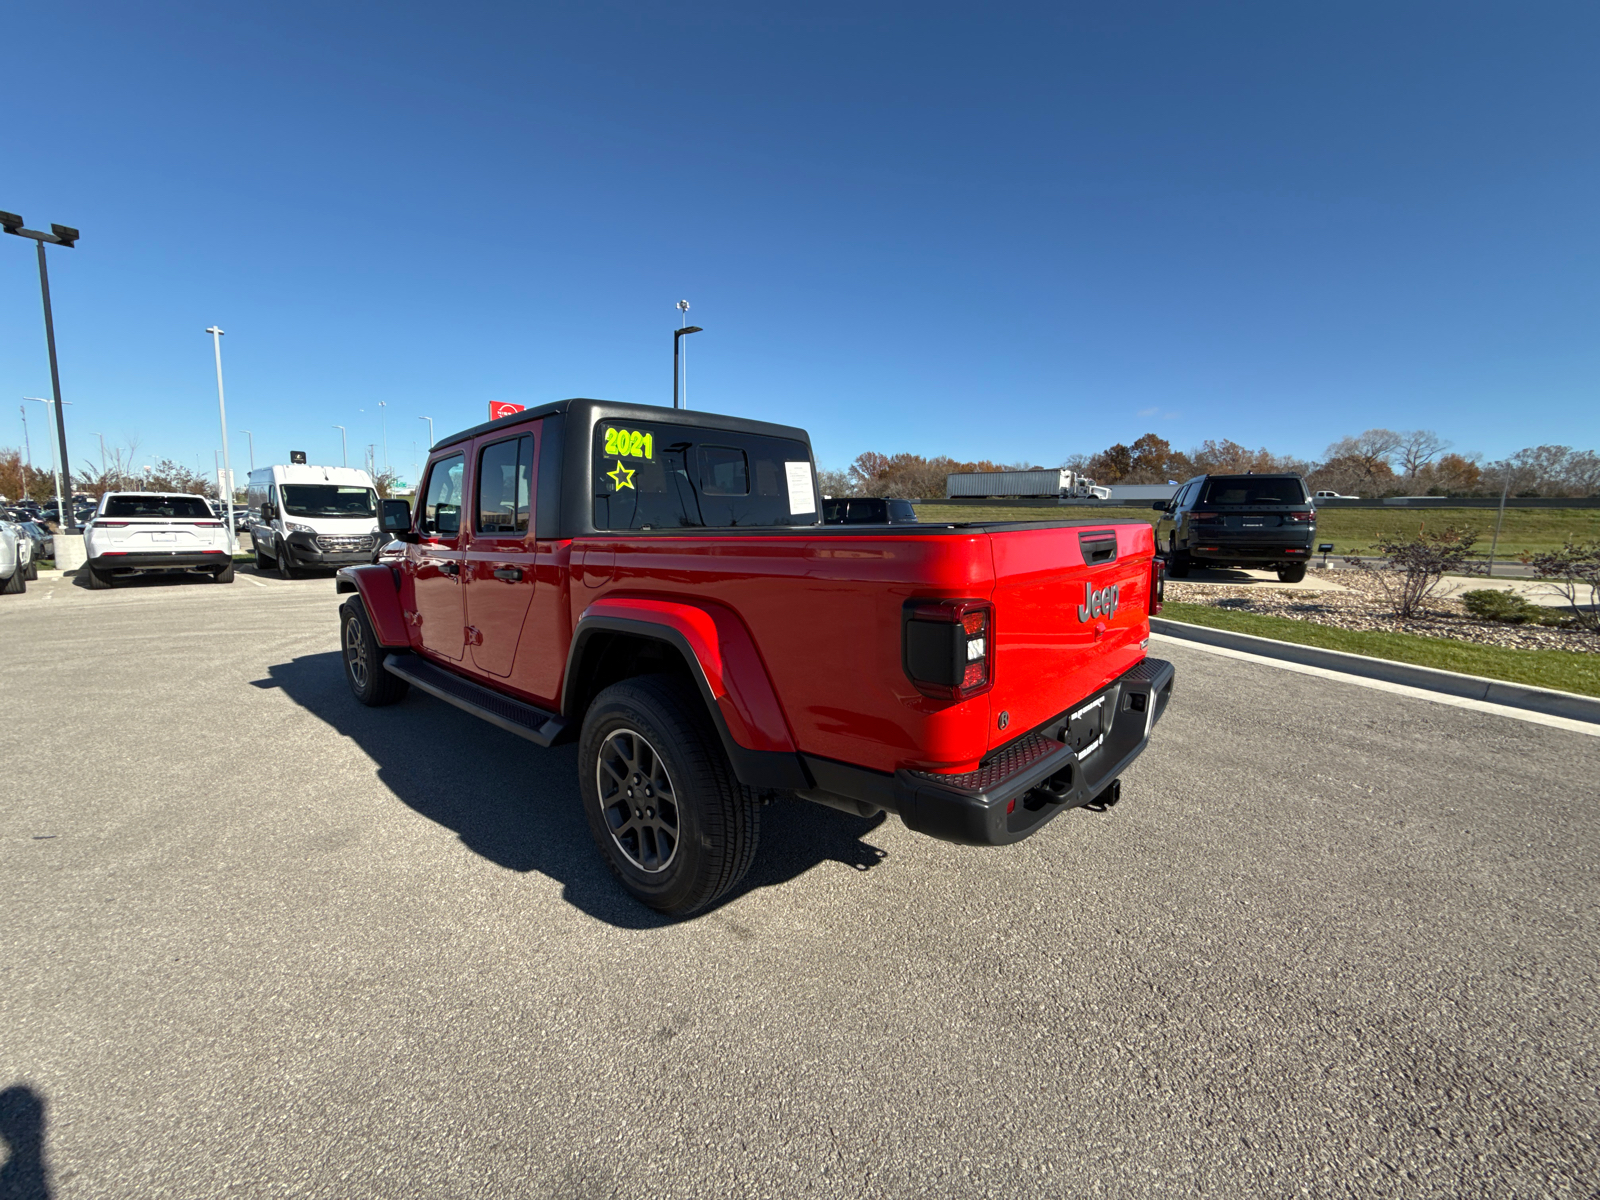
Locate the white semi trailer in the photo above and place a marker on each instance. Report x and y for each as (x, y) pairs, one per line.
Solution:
(1053, 482)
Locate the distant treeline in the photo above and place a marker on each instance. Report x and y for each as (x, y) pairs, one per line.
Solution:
(1379, 462)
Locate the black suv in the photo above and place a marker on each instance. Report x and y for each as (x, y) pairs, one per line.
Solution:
(868, 510)
(1260, 521)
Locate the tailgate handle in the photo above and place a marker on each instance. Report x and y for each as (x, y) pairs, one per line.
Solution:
(511, 573)
(1098, 547)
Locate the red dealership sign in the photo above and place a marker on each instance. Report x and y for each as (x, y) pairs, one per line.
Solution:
(500, 408)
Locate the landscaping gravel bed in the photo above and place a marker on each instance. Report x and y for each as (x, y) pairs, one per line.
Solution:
(1362, 605)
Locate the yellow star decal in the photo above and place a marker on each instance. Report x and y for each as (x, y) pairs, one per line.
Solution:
(622, 476)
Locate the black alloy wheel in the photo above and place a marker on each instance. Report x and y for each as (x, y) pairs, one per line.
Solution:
(675, 826)
(363, 658)
(638, 800)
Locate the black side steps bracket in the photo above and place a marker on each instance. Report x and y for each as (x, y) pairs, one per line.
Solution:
(539, 727)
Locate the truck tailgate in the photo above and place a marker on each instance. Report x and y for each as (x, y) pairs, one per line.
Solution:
(1071, 613)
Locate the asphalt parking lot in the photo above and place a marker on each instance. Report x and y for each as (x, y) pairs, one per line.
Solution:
(259, 940)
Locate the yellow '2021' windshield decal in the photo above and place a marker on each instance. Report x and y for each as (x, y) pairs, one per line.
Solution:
(630, 444)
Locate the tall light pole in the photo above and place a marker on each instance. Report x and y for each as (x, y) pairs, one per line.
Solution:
(225, 484)
(383, 416)
(27, 450)
(429, 420)
(59, 235)
(344, 443)
(252, 438)
(677, 338)
(61, 511)
(102, 438)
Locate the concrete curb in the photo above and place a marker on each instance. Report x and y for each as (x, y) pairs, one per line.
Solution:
(1450, 683)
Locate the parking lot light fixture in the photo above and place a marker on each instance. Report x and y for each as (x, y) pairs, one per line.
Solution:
(429, 420)
(344, 443)
(252, 438)
(59, 235)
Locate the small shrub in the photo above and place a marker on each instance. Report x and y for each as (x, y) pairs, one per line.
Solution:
(1413, 568)
(1574, 571)
(1490, 605)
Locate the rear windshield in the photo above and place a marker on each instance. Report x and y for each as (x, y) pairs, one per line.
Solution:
(185, 508)
(328, 500)
(1253, 489)
(670, 477)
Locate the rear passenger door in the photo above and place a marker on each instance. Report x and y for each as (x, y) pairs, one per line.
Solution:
(435, 561)
(499, 565)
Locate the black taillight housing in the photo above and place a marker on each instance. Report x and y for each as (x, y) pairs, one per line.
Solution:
(1158, 584)
(947, 647)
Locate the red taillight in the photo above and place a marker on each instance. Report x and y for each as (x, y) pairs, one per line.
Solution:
(1158, 584)
(1300, 518)
(947, 647)
(1199, 518)
(109, 524)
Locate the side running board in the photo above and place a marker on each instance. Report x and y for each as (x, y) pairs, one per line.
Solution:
(540, 727)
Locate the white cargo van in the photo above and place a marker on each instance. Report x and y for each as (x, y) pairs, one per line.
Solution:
(306, 517)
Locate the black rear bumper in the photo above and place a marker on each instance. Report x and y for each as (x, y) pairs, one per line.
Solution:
(156, 560)
(1027, 782)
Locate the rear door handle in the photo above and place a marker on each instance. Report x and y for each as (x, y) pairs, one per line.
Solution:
(512, 573)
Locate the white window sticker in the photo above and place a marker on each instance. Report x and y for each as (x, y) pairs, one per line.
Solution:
(802, 498)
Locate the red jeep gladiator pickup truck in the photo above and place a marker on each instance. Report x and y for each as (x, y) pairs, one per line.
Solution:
(660, 585)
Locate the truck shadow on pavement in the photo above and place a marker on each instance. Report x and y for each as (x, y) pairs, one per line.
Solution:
(25, 1175)
(518, 805)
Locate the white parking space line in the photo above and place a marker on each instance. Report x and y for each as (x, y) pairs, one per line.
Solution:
(248, 579)
(1399, 689)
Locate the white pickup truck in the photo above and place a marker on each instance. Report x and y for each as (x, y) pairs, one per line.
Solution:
(134, 532)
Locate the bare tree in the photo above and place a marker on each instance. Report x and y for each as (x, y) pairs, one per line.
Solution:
(1417, 448)
(1371, 452)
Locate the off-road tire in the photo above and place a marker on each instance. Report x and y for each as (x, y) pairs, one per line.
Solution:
(99, 581)
(1178, 565)
(718, 819)
(1293, 573)
(225, 575)
(362, 657)
(17, 583)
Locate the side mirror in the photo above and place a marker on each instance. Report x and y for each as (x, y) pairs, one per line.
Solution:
(394, 516)
(266, 511)
(1162, 506)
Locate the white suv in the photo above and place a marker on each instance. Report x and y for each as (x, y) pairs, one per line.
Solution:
(132, 532)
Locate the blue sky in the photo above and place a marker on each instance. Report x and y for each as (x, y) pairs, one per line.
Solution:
(1018, 234)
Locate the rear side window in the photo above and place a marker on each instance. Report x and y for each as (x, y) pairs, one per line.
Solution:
(505, 470)
(183, 508)
(441, 511)
(650, 476)
(902, 513)
(1252, 489)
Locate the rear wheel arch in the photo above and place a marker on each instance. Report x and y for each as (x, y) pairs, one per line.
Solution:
(610, 650)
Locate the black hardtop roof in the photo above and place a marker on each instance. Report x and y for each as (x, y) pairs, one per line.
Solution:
(590, 410)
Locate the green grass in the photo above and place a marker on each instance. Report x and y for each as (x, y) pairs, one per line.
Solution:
(1564, 670)
(1351, 530)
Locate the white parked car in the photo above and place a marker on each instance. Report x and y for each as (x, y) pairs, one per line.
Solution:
(1326, 495)
(133, 532)
(13, 567)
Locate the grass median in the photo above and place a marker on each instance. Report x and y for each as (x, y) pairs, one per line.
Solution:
(1564, 670)
(1351, 530)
